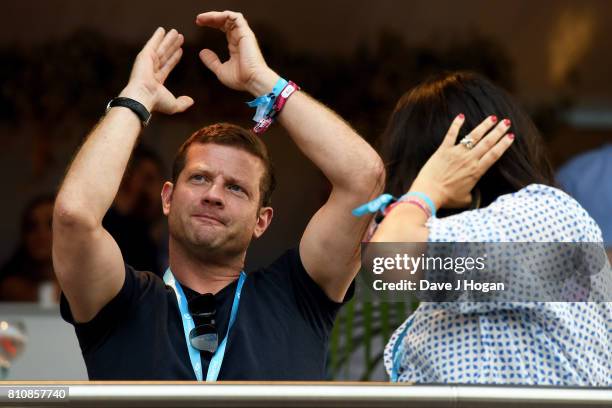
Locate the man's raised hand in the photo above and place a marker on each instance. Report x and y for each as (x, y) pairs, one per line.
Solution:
(246, 69)
(152, 66)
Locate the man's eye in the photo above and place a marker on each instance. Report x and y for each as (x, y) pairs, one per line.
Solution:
(198, 178)
(235, 187)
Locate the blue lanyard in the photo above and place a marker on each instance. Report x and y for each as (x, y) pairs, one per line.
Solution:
(194, 354)
(398, 353)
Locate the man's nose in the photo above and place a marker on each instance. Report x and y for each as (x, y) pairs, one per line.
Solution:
(214, 195)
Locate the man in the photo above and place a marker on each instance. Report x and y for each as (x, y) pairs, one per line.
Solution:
(581, 178)
(272, 324)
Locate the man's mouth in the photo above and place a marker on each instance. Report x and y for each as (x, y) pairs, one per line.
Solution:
(209, 219)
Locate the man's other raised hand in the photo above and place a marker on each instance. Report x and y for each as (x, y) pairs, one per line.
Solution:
(246, 69)
(152, 66)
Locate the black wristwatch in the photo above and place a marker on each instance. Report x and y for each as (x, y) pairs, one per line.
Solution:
(138, 108)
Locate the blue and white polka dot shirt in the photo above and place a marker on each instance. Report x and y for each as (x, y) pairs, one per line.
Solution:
(543, 343)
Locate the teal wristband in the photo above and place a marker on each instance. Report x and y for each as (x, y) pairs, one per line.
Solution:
(423, 197)
(264, 103)
(278, 88)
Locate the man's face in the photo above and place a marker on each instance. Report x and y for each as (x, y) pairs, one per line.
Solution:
(214, 207)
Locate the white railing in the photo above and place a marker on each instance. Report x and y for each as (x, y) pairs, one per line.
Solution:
(320, 395)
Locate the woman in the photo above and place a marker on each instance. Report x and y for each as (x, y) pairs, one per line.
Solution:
(28, 274)
(464, 342)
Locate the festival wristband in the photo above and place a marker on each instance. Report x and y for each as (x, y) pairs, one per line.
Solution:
(279, 103)
(412, 201)
(270, 105)
(287, 91)
(265, 103)
(378, 204)
(423, 197)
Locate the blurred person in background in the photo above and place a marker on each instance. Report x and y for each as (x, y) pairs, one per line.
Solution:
(28, 275)
(588, 178)
(135, 218)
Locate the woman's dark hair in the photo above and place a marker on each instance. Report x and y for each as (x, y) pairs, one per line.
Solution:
(21, 262)
(423, 115)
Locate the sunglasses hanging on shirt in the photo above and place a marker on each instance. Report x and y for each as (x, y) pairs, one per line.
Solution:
(204, 335)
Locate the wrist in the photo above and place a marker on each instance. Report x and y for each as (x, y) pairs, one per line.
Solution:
(417, 213)
(262, 83)
(435, 193)
(140, 94)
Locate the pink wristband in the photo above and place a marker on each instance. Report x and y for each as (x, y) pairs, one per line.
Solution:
(279, 103)
(409, 201)
(284, 95)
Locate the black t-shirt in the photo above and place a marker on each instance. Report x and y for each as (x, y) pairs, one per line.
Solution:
(281, 330)
(133, 236)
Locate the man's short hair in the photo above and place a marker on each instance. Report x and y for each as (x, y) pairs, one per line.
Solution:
(226, 134)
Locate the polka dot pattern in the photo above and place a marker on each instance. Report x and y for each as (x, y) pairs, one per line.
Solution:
(544, 343)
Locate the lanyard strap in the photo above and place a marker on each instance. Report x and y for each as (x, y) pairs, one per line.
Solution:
(398, 353)
(194, 354)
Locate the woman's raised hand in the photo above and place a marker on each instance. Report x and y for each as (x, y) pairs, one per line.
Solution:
(451, 173)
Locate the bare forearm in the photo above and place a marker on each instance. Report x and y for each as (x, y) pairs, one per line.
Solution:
(347, 160)
(93, 179)
(405, 223)
(331, 144)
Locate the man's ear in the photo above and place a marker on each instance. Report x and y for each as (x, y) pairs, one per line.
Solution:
(166, 196)
(264, 218)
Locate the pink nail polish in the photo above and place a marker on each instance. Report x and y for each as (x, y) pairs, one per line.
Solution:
(511, 136)
(494, 118)
(461, 116)
(507, 122)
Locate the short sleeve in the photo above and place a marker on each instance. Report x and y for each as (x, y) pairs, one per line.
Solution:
(536, 213)
(313, 303)
(95, 332)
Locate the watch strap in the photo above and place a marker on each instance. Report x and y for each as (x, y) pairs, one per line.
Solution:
(138, 108)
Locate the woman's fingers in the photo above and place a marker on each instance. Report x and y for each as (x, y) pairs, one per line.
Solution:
(493, 154)
(482, 129)
(491, 139)
(453, 131)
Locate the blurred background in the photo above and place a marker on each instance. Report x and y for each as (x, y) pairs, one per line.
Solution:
(61, 61)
